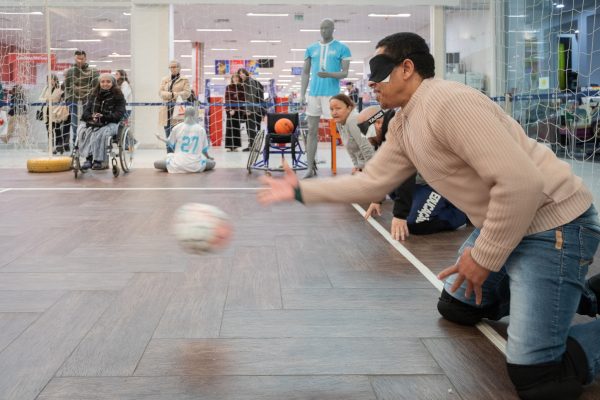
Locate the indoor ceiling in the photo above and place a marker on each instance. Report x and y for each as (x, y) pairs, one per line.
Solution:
(251, 37)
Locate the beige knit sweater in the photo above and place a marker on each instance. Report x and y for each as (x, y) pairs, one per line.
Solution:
(471, 152)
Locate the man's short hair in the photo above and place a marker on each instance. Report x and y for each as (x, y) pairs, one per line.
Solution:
(407, 45)
(80, 53)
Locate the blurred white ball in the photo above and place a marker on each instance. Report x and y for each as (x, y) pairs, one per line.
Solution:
(201, 228)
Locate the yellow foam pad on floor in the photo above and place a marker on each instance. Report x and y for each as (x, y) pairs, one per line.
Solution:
(49, 164)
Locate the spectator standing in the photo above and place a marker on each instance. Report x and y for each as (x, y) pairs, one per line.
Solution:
(80, 80)
(173, 87)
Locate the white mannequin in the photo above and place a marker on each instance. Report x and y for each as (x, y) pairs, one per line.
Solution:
(327, 28)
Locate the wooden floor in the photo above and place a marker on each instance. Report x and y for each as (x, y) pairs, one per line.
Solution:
(98, 302)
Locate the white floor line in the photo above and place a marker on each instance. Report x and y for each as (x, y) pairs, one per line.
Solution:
(49, 189)
(483, 327)
(4, 190)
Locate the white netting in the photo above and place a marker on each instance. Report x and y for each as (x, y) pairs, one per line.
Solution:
(28, 55)
(232, 39)
(542, 54)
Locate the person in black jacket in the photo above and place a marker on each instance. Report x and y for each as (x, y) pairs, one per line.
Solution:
(254, 95)
(102, 113)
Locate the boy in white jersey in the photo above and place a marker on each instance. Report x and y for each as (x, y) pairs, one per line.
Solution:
(190, 145)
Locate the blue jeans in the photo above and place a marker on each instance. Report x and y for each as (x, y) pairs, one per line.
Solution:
(541, 287)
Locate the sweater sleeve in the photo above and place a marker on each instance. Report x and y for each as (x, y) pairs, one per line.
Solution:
(386, 170)
(475, 129)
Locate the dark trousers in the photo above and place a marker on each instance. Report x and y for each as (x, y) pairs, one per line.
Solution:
(61, 136)
(233, 136)
(252, 125)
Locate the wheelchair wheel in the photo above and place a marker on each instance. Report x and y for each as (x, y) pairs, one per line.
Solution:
(255, 150)
(115, 167)
(126, 149)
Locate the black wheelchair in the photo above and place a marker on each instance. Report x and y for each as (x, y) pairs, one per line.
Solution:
(269, 142)
(119, 146)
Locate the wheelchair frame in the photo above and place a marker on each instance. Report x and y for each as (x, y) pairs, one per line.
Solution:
(121, 146)
(254, 163)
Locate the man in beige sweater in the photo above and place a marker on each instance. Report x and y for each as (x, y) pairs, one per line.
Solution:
(536, 228)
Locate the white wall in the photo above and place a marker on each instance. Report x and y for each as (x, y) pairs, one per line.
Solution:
(468, 33)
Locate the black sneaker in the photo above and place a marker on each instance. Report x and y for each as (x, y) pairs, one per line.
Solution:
(246, 149)
(97, 165)
(86, 165)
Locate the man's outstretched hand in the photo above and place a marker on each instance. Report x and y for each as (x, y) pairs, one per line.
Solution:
(281, 189)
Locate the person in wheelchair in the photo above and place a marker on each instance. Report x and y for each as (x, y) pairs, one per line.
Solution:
(100, 120)
(190, 146)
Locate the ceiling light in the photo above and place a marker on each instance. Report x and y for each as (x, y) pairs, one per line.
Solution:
(22, 13)
(115, 55)
(224, 49)
(389, 15)
(286, 70)
(11, 29)
(214, 30)
(259, 56)
(297, 49)
(182, 41)
(126, 13)
(185, 69)
(355, 41)
(284, 80)
(109, 29)
(266, 15)
(350, 79)
(287, 76)
(209, 73)
(359, 73)
(265, 41)
(295, 62)
(266, 73)
(63, 48)
(560, 6)
(84, 40)
(356, 62)
(310, 30)
(100, 61)
(186, 56)
(217, 79)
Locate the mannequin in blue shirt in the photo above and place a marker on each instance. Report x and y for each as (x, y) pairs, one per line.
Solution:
(325, 63)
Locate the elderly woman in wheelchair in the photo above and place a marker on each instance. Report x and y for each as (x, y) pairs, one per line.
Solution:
(100, 121)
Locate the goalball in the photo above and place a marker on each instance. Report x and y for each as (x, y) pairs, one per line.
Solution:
(201, 228)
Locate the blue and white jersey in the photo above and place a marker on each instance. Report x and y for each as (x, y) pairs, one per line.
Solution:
(326, 57)
(188, 142)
